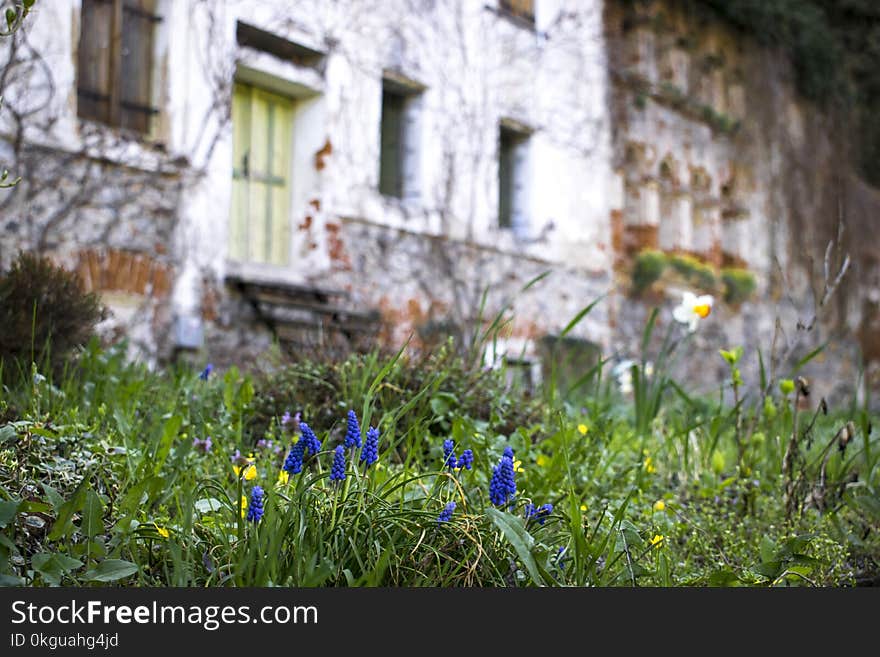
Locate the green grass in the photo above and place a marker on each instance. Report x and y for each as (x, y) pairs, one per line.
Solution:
(100, 480)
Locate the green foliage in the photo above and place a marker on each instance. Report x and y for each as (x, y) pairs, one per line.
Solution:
(44, 312)
(739, 285)
(649, 266)
(694, 272)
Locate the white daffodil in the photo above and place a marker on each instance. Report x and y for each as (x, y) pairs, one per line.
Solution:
(693, 309)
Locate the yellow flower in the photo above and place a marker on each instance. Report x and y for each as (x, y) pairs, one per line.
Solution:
(659, 505)
(244, 505)
(517, 466)
(163, 532)
(583, 507)
(582, 428)
(248, 471)
(542, 460)
(649, 466)
(656, 541)
(283, 476)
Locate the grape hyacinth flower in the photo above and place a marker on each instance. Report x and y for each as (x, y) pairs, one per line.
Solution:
(309, 439)
(449, 458)
(203, 445)
(293, 464)
(353, 434)
(206, 372)
(503, 485)
(446, 513)
(508, 451)
(337, 471)
(370, 453)
(255, 508)
(466, 460)
(539, 513)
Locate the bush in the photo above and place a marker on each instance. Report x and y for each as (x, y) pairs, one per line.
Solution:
(648, 268)
(694, 271)
(44, 312)
(739, 284)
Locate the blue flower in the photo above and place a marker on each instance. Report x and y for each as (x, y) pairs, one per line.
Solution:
(285, 418)
(466, 460)
(203, 445)
(255, 508)
(337, 471)
(370, 453)
(309, 439)
(503, 485)
(448, 454)
(539, 513)
(508, 451)
(446, 513)
(353, 434)
(206, 372)
(294, 461)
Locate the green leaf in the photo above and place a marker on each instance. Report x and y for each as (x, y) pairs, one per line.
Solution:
(93, 514)
(111, 570)
(577, 318)
(54, 496)
(53, 566)
(10, 17)
(513, 530)
(8, 434)
(8, 511)
(768, 549)
(10, 580)
(63, 525)
(169, 433)
(723, 577)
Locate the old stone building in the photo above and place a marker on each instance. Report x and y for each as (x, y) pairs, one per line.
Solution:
(226, 173)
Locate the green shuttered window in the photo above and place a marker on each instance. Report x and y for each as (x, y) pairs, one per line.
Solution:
(260, 230)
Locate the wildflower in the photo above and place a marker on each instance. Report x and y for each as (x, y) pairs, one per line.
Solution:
(649, 466)
(539, 513)
(583, 507)
(202, 445)
(245, 467)
(657, 540)
(503, 485)
(508, 451)
(582, 429)
(560, 557)
(692, 309)
(236, 456)
(309, 439)
(541, 460)
(337, 470)
(448, 454)
(294, 462)
(243, 506)
(466, 460)
(262, 443)
(517, 466)
(353, 434)
(206, 372)
(283, 477)
(255, 508)
(285, 419)
(163, 532)
(659, 505)
(786, 386)
(623, 373)
(370, 453)
(446, 513)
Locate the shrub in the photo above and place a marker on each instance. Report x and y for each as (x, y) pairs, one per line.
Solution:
(44, 312)
(648, 268)
(739, 284)
(694, 271)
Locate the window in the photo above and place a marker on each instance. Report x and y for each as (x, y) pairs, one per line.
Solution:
(524, 9)
(399, 152)
(115, 63)
(513, 179)
(261, 126)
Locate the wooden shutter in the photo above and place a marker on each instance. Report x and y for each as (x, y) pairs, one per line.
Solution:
(115, 62)
(391, 147)
(93, 60)
(262, 128)
(136, 64)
